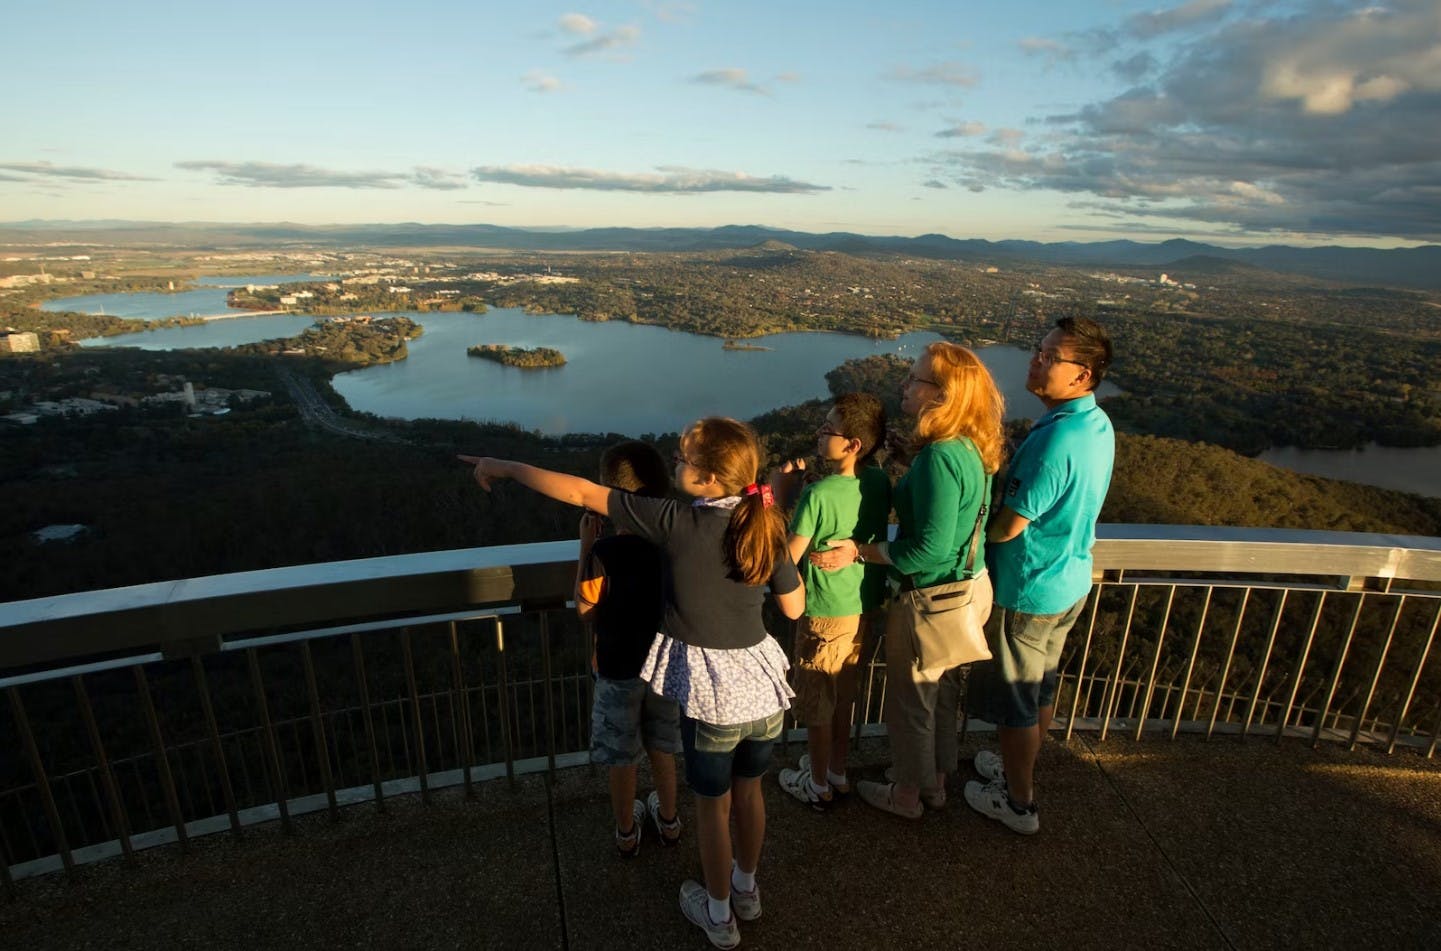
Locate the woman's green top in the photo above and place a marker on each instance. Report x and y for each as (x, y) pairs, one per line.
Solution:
(936, 504)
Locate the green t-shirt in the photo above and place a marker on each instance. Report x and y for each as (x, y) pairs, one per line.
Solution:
(937, 502)
(873, 526)
(829, 510)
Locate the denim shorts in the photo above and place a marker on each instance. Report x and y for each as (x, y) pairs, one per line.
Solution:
(714, 754)
(628, 718)
(1010, 689)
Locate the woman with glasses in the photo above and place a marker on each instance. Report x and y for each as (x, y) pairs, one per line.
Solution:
(958, 445)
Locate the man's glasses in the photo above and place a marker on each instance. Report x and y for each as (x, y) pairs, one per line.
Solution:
(1048, 358)
(831, 432)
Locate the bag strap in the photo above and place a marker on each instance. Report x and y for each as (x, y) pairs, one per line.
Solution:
(976, 532)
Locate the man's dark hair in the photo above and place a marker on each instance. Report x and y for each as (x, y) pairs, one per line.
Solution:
(1089, 344)
(635, 466)
(862, 417)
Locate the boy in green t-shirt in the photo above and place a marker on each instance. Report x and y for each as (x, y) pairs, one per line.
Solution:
(850, 502)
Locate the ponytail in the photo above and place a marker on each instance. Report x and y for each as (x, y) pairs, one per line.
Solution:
(755, 539)
(756, 536)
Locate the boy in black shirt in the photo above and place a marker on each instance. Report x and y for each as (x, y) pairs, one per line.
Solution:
(618, 590)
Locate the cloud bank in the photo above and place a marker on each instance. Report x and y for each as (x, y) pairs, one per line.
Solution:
(665, 180)
(272, 175)
(1321, 121)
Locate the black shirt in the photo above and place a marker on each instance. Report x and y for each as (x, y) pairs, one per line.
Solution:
(706, 604)
(628, 608)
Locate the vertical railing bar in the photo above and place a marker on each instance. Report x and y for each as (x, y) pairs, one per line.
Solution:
(1301, 665)
(212, 728)
(245, 765)
(1335, 680)
(1435, 733)
(440, 756)
(504, 691)
(1155, 662)
(1191, 661)
(317, 728)
(457, 693)
(422, 769)
(1265, 661)
(102, 763)
(1085, 656)
(1226, 665)
(484, 706)
(547, 673)
(42, 781)
(275, 770)
(297, 744)
(98, 807)
(1415, 681)
(162, 760)
(140, 785)
(385, 732)
(1115, 687)
(5, 875)
(1376, 674)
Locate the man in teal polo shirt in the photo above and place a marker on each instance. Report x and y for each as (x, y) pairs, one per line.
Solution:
(1038, 548)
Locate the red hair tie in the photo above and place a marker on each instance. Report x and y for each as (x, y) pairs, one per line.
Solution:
(764, 491)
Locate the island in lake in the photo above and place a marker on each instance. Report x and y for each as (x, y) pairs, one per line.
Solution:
(737, 345)
(518, 356)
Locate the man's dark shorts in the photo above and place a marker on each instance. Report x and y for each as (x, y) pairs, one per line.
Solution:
(1010, 689)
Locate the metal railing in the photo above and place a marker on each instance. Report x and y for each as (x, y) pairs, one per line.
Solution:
(153, 714)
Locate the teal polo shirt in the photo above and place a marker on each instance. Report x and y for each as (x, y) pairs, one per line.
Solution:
(1058, 479)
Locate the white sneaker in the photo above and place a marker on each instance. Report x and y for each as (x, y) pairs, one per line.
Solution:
(695, 905)
(992, 801)
(988, 764)
(797, 782)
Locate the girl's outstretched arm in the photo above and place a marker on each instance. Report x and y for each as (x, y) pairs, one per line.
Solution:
(572, 490)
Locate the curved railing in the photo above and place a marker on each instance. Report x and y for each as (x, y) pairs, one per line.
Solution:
(152, 714)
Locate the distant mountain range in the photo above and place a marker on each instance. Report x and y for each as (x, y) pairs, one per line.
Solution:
(1405, 267)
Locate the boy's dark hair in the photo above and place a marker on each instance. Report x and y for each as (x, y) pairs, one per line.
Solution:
(635, 466)
(1089, 343)
(862, 417)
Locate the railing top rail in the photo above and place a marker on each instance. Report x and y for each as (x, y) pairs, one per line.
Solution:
(1268, 551)
(195, 614)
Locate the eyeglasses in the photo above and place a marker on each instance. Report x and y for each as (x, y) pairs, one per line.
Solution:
(831, 432)
(912, 378)
(1048, 358)
(678, 457)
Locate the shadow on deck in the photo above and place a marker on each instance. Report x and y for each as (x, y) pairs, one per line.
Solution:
(1185, 844)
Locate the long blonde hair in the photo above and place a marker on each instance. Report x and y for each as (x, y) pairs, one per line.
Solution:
(969, 405)
(729, 450)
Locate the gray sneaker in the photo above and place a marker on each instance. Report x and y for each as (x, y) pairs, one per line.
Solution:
(882, 796)
(747, 905)
(695, 905)
(669, 832)
(627, 844)
(930, 798)
(992, 801)
(988, 766)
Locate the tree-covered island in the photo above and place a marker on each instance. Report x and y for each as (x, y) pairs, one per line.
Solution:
(526, 359)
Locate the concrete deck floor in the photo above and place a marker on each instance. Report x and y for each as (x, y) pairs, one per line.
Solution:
(1189, 844)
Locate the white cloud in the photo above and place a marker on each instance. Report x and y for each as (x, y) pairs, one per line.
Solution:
(577, 24)
(962, 130)
(537, 81)
(620, 38)
(732, 78)
(941, 74)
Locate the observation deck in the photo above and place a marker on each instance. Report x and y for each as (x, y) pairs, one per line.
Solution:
(391, 753)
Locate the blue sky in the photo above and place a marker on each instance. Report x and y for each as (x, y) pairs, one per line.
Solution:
(1233, 121)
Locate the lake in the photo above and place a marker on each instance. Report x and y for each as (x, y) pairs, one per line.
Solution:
(621, 377)
(206, 301)
(1407, 470)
